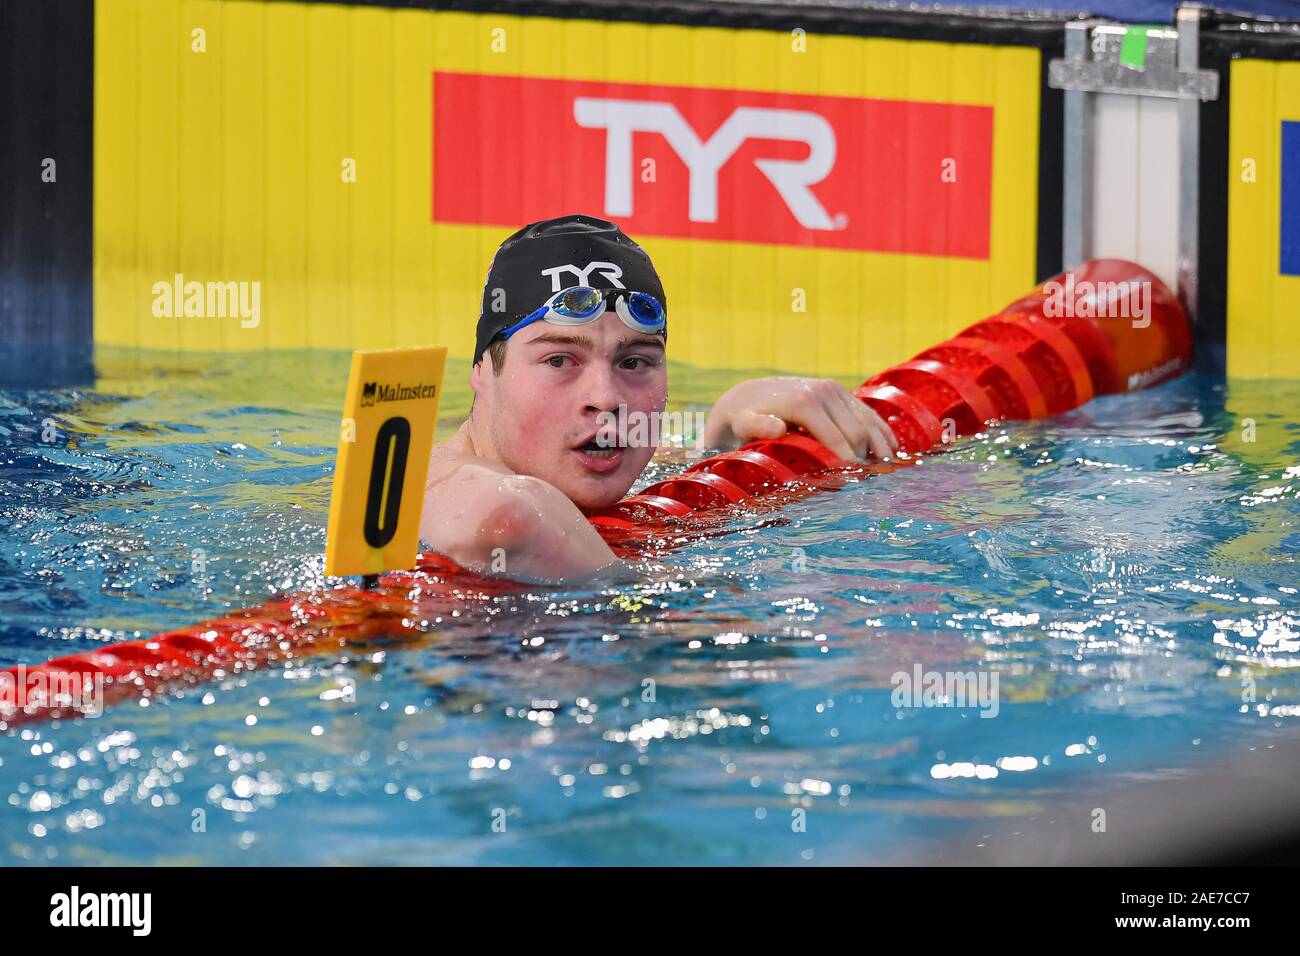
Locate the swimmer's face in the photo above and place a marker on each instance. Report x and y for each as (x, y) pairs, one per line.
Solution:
(547, 404)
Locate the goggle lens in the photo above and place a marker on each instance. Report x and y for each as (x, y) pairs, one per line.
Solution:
(645, 309)
(578, 302)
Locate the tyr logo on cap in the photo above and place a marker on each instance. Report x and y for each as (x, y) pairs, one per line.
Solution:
(609, 270)
(568, 250)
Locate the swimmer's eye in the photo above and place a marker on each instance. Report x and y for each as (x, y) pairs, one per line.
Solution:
(645, 363)
(556, 361)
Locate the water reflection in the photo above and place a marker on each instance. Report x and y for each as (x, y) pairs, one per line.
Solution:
(1127, 570)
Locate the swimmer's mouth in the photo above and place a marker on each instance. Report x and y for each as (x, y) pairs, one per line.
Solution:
(597, 448)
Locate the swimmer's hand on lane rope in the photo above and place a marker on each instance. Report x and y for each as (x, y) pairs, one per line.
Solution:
(767, 407)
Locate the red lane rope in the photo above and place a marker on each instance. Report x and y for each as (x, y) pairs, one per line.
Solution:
(1028, 361)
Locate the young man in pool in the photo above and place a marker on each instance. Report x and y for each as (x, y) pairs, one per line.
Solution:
(573, 328)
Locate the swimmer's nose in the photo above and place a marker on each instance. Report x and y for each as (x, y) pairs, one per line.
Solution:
(600, 392)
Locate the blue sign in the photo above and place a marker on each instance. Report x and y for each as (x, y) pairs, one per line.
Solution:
(1290, 199)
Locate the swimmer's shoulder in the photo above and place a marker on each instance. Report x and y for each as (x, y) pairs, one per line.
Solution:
(455, 457)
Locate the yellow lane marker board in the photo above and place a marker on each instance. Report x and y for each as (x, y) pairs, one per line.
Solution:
(389, 417)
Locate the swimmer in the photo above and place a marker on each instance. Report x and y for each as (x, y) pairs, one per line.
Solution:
(573, 331)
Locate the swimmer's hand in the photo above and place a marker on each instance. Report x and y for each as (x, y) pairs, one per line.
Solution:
(489, 520)
(762, 407)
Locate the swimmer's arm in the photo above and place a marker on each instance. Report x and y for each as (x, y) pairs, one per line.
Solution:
(514, 526)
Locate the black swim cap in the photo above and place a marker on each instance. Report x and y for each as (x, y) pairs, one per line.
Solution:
(544, 257)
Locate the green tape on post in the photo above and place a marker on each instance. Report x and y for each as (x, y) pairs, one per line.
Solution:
(1133, 48)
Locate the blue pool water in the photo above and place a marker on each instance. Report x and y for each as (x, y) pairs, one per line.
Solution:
(1121, 568)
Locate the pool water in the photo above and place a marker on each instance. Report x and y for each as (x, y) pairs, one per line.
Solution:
(1128, 571)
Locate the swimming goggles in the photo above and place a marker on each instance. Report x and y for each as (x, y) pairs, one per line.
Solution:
(581, 304)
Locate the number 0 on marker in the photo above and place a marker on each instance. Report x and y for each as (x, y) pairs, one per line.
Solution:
(389, 417)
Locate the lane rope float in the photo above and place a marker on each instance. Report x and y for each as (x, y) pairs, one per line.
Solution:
(1074, 337)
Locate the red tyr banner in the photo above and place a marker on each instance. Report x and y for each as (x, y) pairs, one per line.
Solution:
(728, 165)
